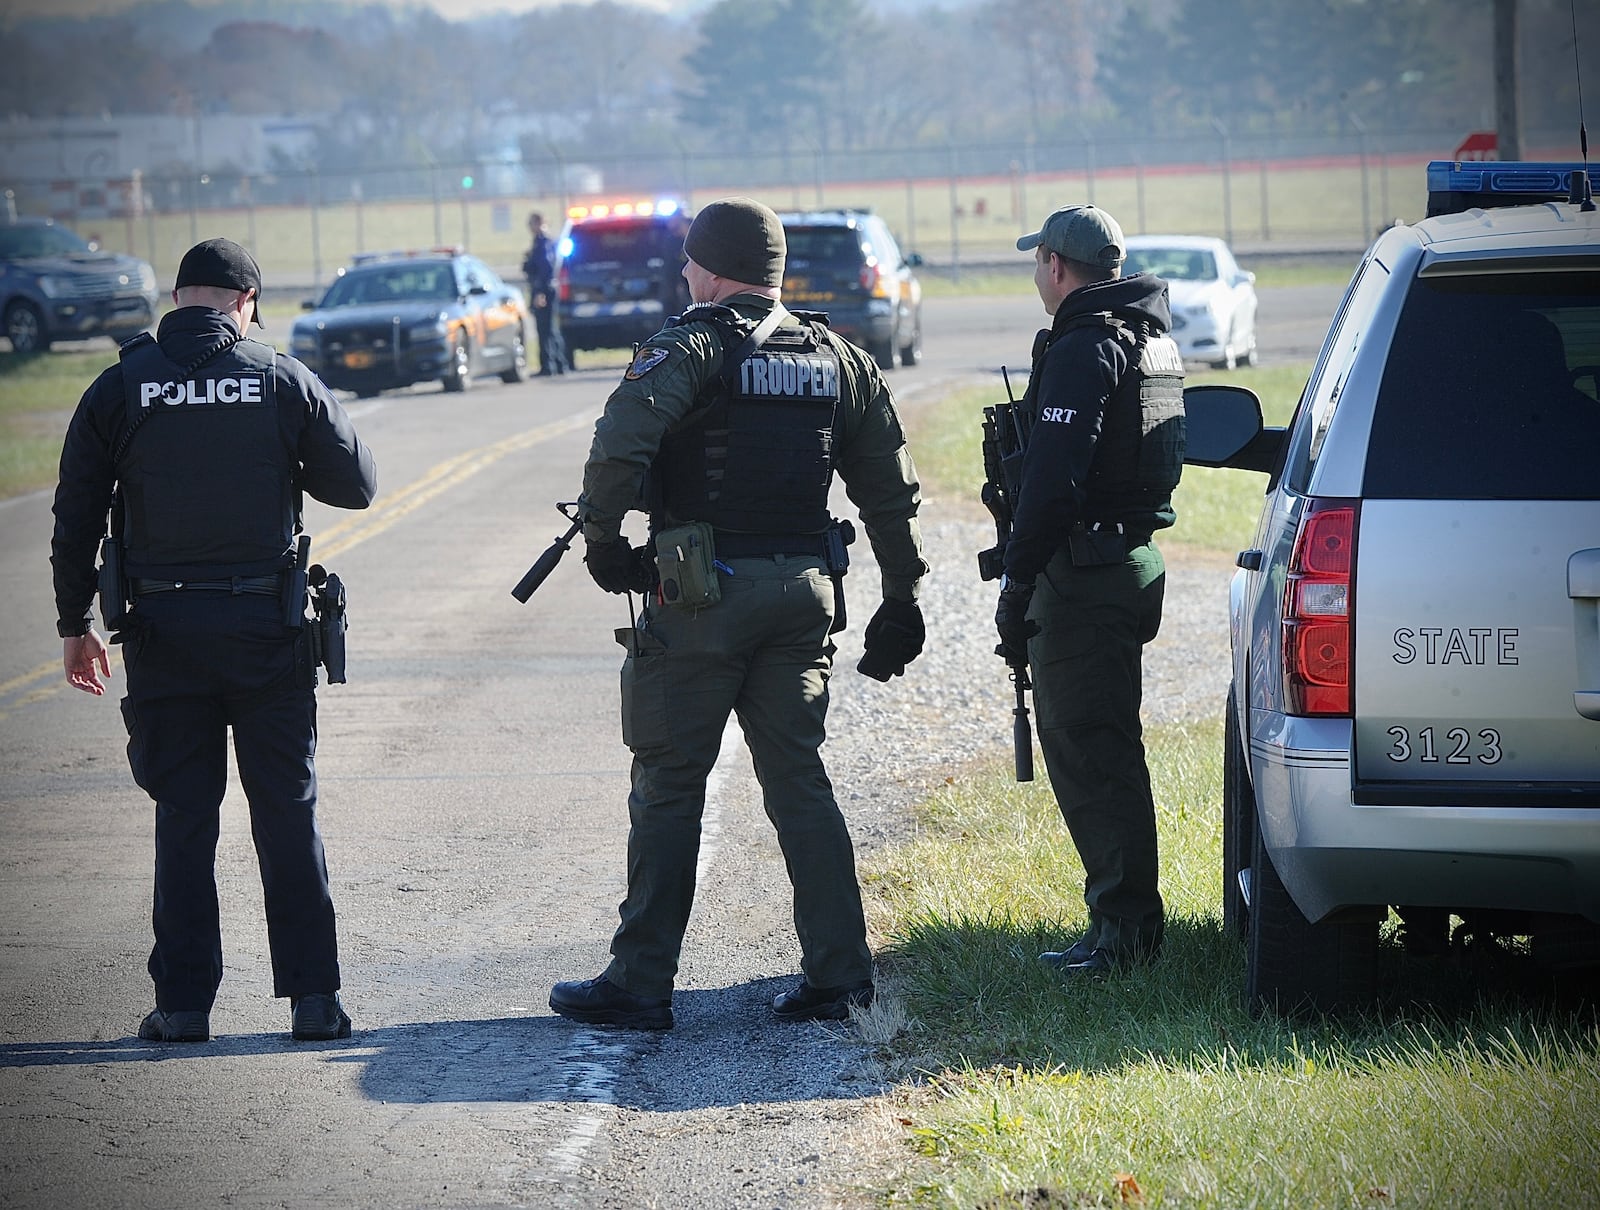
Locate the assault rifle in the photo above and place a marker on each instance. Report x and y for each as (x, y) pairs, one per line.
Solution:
(1005, 439)
(540, 571)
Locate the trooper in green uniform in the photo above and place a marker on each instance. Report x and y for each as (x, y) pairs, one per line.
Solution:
(728, 426)
(1083, 583)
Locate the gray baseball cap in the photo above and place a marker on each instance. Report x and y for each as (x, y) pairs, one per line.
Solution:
(1082, 233)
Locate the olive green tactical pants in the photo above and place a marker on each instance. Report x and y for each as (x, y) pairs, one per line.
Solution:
(1086, 662)
(762, 653)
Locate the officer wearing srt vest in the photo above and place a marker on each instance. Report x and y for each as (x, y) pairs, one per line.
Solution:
(199, 445)
(732, 421)
(1083, 582)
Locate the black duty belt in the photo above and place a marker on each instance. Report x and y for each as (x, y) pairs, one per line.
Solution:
(731, 545)
(265, 586)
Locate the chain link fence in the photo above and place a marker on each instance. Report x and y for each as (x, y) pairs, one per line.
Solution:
(960, 206)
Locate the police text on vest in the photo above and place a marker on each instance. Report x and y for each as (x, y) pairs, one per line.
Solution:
(788, 375)
(243, 388)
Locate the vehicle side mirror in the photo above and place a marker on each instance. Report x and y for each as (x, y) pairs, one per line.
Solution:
(1222, 426)
(914, 259)
(478, 288)
(1244, 278)
(308, 304)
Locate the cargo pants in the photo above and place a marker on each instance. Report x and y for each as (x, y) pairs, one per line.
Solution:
(761, 653)
(1087, 664)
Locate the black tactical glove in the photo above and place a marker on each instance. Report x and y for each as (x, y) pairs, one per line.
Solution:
(618, 567)
(1011, 620)
(892, 639)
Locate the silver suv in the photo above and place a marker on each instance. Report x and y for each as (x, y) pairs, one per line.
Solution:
(1414, 721)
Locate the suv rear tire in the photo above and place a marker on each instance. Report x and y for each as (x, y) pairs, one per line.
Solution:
(1295, 967)
(883, 353)
(1238, 824)
(911, 352)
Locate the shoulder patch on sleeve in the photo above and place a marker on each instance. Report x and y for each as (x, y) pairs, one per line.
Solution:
(647, 359)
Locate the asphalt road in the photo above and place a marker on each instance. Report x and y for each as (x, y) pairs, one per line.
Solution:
(473, 805)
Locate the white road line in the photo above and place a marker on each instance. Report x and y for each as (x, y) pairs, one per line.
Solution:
(594, 1057)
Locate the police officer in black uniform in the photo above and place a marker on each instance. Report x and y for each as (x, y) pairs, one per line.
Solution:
(539, 267)
(1083, 583)
(733, 422)
(198, 445)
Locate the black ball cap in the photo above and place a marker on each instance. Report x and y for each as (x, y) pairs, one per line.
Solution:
(221, 262)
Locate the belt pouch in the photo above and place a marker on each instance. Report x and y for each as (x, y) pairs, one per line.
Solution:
(686, 562)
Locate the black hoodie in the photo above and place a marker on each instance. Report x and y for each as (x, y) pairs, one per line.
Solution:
(1078, 369)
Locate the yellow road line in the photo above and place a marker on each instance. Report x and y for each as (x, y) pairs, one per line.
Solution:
(356, 528)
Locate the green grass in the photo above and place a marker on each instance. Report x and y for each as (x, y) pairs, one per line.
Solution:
(1217, 509)
(1013, 1081)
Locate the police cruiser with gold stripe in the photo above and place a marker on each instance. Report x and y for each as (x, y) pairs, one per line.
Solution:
(396, 318)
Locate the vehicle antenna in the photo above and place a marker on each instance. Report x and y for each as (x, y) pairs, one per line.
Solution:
(1587, 201)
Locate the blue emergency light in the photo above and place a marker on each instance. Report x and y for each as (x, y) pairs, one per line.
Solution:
(1457, 185)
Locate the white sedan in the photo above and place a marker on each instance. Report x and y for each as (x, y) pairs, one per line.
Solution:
(1213, 300)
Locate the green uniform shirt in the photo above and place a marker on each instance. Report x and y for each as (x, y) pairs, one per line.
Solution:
(660, 390)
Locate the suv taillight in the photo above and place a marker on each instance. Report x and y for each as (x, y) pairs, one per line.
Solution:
(1319, 610)
(873, 280)
(564, 285)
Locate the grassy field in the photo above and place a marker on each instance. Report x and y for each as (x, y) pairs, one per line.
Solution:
(1472, 1085)
(968, 220)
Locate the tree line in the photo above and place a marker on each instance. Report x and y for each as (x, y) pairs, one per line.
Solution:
(406, 86)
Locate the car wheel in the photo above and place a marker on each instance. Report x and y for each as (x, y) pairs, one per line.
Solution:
(25, 328)
(459, 377)
(1238, 826)
(883, 352)
(1230, 356)
(1295, 967)
(911, 354)
(518, 371)
(1252, 356)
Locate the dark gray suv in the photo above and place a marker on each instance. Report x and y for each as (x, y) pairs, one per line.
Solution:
(847, 264)
(1414, 722)
(54, 286)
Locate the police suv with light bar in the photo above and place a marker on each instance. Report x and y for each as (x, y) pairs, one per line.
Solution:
(1414, 720)
(619, 272)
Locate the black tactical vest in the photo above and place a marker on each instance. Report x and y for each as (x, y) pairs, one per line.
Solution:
(1139, 456)
(756, 456)
(206, 481)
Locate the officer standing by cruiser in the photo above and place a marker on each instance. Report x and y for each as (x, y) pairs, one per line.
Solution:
(733, 421)
(539, 267)
(198, 445)
(1083, 583)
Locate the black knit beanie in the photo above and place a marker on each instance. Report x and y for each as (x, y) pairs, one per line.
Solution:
(740, 239)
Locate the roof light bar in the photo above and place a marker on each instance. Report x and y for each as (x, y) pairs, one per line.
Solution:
(1457, 185)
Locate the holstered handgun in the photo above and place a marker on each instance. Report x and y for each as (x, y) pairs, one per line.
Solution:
(329, 625)
(113, 585)
(836, 558)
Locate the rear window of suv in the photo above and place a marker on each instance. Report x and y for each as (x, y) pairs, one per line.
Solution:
(824, 245)
(1489, 391)
(625, 243)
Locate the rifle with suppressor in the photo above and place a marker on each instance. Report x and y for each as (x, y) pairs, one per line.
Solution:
(546, 563)
(1005, 439)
